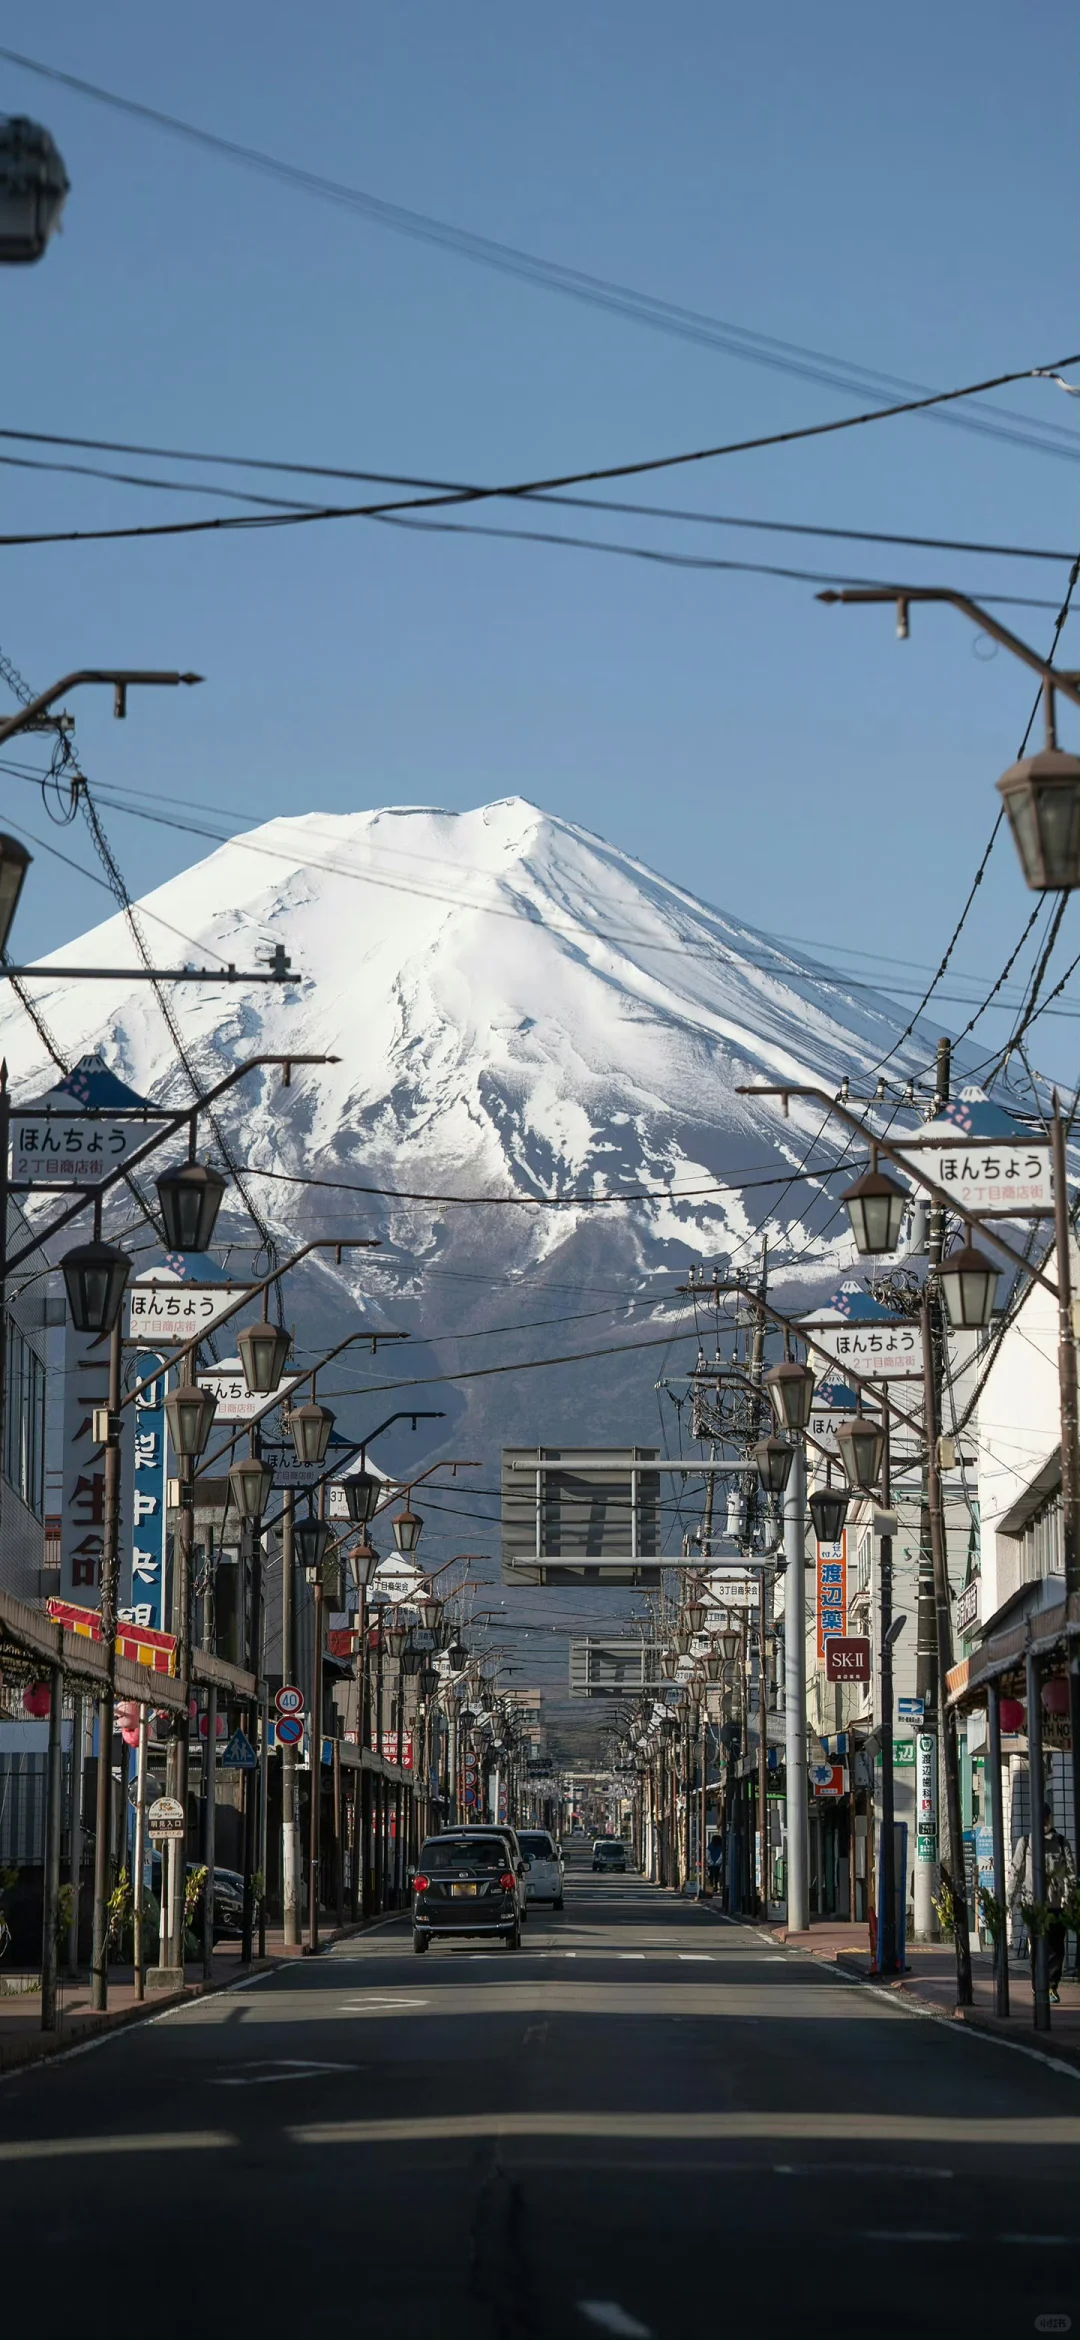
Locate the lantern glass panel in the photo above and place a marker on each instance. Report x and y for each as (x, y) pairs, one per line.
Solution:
(773, 1458)
(1041, 795)
(190, 1413)
(311, 1426)
(190, 1198)
(362, 1491)
(252, 1484)
(829, 1510)
(95, 1276)
(791, 1388)
(264, 1348)
(968, 1281)
(310, 1538)
(862, 1446)
(876, 1206)
(408, 1527)
(363, 1560)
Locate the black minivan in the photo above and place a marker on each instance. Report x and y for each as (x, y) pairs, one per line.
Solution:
(464, 1885)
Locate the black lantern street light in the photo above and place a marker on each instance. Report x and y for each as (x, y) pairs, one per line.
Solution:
(408, 1528)
(876, 1205)
(190, 1413)
(34, 188)
(694, 1614)
(968, 1281)
(311, 1538)
(264, 1348)
(829, 1510)
(791, 1388)
(1041, 796)
(363, 1560)
(362, 1491)
(251, 1482)
(310, 1425)
(862, 1449)
(95, 1276)
(773, 1458)
(190, 1199)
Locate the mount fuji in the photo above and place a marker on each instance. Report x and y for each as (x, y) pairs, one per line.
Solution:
(519, 1012)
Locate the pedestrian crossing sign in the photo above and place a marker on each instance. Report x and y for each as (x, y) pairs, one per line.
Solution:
(239, 1754)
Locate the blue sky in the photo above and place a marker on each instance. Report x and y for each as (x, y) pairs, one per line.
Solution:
(896, 187)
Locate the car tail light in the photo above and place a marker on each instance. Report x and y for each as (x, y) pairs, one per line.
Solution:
(421, 1883)
(507, 1881)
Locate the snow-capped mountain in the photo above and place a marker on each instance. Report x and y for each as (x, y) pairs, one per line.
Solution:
(516, 1009)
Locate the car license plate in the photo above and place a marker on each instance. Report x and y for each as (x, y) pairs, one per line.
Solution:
(461, 1892)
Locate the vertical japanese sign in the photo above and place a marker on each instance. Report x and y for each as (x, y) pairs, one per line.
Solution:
(149, 1509)
(831, 1591)
(926, 1757)
(82, 1542)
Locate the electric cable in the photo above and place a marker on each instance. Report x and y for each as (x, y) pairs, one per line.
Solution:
(232, 521)
(605, 504)
(599, 292)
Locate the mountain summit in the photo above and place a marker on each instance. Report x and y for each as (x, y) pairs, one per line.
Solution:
(518, 1011)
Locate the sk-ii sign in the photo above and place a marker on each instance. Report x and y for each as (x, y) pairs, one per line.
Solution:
(150, 1498)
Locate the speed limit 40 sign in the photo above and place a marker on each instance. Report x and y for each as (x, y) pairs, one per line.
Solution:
(289, 1700)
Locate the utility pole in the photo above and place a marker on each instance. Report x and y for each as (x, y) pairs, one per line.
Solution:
(887, 1893)
(290, 1824)
(943, 1625)
(798, 1802)
(926, 1669)
(103, 1835)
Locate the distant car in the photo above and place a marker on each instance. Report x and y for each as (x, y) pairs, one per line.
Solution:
(543, 1866)
(228, 1899)
(465, 1884)
(609, 1852)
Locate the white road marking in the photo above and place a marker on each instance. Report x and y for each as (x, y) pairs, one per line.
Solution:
(152, 2141)
(373, 2006)
(933, 2234)
(286, 2068)
(613, 2318)
(631, 1953)
(696, 1957)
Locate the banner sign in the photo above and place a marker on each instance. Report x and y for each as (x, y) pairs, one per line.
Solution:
(50, 1144)
(177, 1311)
(82, 1532)
(831, 1591)
(151, 1498)
(230, 1391)
(872, 1351)
(989, 1178)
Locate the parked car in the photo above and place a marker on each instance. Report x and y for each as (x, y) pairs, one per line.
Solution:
(543, 1867)
(465, 1884)
(228, 1899)
(609, 1852)
(507, 1836)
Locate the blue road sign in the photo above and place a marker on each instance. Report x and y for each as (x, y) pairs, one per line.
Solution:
(911, 1709)
(239, 1754)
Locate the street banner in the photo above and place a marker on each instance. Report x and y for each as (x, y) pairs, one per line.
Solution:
(985, 1160)
(232, 1396)
(82, 1532)
(150, 1506)
(89, 1124)
(139, 1643)
(883, 1351)
(831, 1591)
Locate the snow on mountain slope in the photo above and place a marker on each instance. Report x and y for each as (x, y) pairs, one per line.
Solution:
(518, 1009)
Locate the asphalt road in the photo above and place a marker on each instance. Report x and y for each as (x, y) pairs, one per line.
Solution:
(645, 2122)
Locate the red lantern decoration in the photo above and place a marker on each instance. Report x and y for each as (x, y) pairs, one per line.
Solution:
(1013, 1715)
(126, 1713)
(1055, 1695)
(37, 1700)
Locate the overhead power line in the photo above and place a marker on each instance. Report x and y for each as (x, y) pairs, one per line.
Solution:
(599, 292)
(1019, 552)
(232, 521)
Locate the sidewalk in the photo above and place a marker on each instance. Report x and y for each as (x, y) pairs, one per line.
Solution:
(931, 1982)
(22, 2040)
